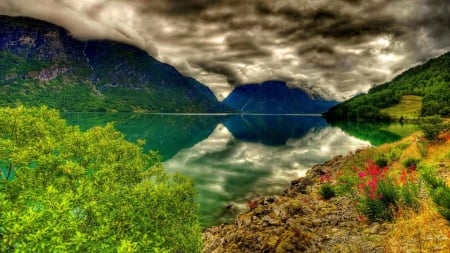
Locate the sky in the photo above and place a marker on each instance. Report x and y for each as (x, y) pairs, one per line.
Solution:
(333, 49)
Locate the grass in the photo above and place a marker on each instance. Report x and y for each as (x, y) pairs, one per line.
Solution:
(426, 231)
(422, 229)
(409, 108)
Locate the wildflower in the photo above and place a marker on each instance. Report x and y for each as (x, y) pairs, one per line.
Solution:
(325, 178)
(361, 218)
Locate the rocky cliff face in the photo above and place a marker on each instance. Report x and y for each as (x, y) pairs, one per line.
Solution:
(42, 64)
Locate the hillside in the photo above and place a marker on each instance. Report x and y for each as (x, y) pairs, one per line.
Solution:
(42, 64)
(352, 204)
(274, 97)
(429, 81)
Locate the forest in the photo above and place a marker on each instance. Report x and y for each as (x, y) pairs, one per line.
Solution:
(431, 81)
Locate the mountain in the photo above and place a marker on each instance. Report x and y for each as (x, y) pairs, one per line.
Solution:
(42, 64)
(428, 84)
(274, 97)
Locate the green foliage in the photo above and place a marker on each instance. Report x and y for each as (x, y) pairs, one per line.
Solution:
(431, 126)
(408, 195)
(409, 108)
(380, 196)
(439, 191)
(411, 162)
(327, 191)
(375, 133)
(431, 81)
(394, 154)
(346, 184)
(63, 190)
(381, 161)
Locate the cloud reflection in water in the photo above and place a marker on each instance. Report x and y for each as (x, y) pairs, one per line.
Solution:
(230, 171)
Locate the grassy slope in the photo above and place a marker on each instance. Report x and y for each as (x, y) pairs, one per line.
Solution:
(431, 81)
(301, 220)
(425, 230)
(409, 108)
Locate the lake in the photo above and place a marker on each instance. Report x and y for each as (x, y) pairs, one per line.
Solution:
(233, 158)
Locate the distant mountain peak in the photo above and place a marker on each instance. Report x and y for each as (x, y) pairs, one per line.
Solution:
(275, 97)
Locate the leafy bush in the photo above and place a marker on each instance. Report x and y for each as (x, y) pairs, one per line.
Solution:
(431, 126)
(381, 161)
(411, 163)
(394, 154)
(90, 191)
(327, 191)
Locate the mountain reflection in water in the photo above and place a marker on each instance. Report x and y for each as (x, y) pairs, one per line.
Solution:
(233, 158)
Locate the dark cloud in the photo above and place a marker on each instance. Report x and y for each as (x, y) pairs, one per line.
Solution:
(333, 48)
(222, 69)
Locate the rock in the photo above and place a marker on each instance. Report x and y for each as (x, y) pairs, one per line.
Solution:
(374, 228)
(301, 185)
(244, 219)
(270, 220)
(269, 200)
(271, 243)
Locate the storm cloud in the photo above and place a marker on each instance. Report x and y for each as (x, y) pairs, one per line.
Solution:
(334, 49)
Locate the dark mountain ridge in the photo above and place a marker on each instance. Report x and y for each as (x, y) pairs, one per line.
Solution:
(42, 64)
(274, 97)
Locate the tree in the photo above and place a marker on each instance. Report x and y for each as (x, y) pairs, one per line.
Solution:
(432, 126)
(63, 190)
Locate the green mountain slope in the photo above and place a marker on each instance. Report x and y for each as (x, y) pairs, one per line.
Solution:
(41, 63)
(431, 81)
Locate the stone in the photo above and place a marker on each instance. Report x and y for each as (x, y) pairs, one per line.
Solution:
(301, 185)
(374, 228)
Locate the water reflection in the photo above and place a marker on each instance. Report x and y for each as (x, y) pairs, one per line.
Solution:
(237, 157)
(163, 132)
(377, 133)
(230, 171)
(271, 129)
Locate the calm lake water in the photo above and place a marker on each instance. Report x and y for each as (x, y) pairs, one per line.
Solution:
(234, 158)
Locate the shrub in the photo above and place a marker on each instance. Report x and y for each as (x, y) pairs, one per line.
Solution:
(411, 163)
(432, 126)
(394, 154)
(327, 191)
(381, 161)
(90, 191)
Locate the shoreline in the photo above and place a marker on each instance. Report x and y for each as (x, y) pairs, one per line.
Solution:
(299, 220)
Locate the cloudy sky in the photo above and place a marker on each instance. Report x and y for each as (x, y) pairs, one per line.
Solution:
(333, 48)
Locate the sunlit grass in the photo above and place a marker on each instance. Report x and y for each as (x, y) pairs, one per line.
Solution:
(409, 108)
(425, 231)
(412, 230)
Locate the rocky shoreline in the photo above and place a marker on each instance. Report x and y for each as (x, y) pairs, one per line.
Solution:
(299, 220)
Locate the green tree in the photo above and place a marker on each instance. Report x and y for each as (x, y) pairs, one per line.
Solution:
(432, 126)
(63, 190)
